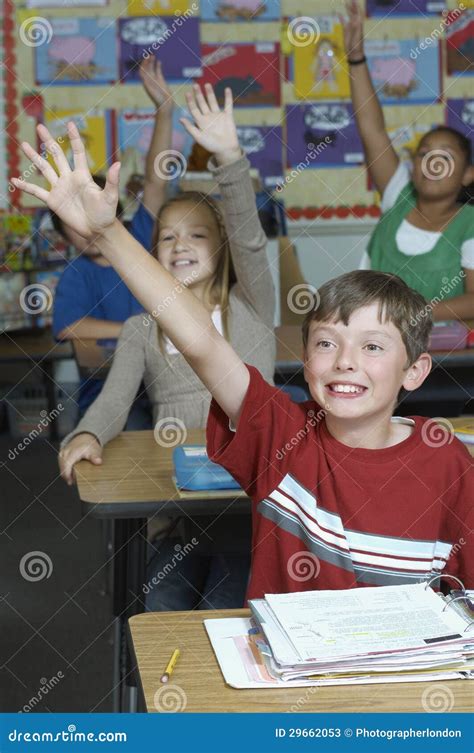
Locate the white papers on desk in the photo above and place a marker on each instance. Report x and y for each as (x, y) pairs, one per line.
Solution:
(368, 635)
(335, 624)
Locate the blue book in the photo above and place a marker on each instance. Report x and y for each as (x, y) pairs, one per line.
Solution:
(195, 472)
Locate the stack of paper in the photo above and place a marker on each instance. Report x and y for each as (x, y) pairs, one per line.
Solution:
(380, 634)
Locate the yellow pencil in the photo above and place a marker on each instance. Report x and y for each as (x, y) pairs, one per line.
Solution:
(170, 666)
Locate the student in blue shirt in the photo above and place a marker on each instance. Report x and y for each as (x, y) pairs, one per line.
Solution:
(91, 300)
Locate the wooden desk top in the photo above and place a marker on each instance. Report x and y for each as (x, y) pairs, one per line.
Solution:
(134, 479)
(36, 347)
(200, 687)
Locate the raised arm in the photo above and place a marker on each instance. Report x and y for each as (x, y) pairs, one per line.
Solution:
(215, 130)
(154, 192)
(381, 158)
(90, 211)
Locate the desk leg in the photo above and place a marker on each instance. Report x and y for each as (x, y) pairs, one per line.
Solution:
(130, 548)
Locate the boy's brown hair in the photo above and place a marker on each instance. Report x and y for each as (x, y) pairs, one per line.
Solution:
(338, 299)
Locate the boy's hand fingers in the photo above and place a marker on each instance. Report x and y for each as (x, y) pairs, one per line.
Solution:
(54, 149)
(77, 146)
(200, 99)
(40, 163)
(228, 101)
(39, 193)
(191, 129)
(211, 98)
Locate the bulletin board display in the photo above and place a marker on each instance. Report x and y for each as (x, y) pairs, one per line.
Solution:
(99, 84)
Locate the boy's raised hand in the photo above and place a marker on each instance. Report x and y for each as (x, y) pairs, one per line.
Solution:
(155, 84)
(353, 26)
(214, 128)
(73, 195)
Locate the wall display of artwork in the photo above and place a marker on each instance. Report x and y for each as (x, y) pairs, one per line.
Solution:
(157, 7)
(12, 316)
(401, 77)
(263, 146)
(319, 67)
(240, 10)
(173, 41)
(460, 115)
(460, 43)
(322, 135)
(388, 8)
(252, 71)
(79, 51)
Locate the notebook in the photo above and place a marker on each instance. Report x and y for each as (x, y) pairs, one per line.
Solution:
(195, 472)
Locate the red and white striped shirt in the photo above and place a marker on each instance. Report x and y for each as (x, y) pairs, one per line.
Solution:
(329, 516)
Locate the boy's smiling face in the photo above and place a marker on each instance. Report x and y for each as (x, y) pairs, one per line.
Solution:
(356, 371)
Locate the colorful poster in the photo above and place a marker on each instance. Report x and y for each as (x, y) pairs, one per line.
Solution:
(79, 51)
(12, 315)
(46, 279)
(158, 7)
(405, 7)
(460, 115)
(135, 129)
(174, 41)
(252, 71)
(61, 3)
(322, 135)
(240, 10)
(460, 43)
(96, 132)
(402, 75)
(319, 58)
(263, 146)
(16, 247)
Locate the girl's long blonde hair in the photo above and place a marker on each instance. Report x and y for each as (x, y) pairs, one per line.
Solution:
(217, 289)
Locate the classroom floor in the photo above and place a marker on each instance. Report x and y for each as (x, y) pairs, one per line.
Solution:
(55, 651)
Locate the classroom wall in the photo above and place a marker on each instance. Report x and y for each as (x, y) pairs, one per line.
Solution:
(312, 187)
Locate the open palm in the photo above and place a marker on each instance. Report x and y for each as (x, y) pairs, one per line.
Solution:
(214, 128)
(353, 27)
(73, 195)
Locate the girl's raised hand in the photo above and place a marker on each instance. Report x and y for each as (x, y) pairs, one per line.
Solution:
(353, 26)
(214, 128)
(73, 195)
(155, 84)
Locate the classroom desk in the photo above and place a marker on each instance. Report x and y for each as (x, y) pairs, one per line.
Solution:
(199, 685)
(42, 351)
(135, 482)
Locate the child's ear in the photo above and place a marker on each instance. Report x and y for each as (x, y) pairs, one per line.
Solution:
(417, 373)
(468, 176)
